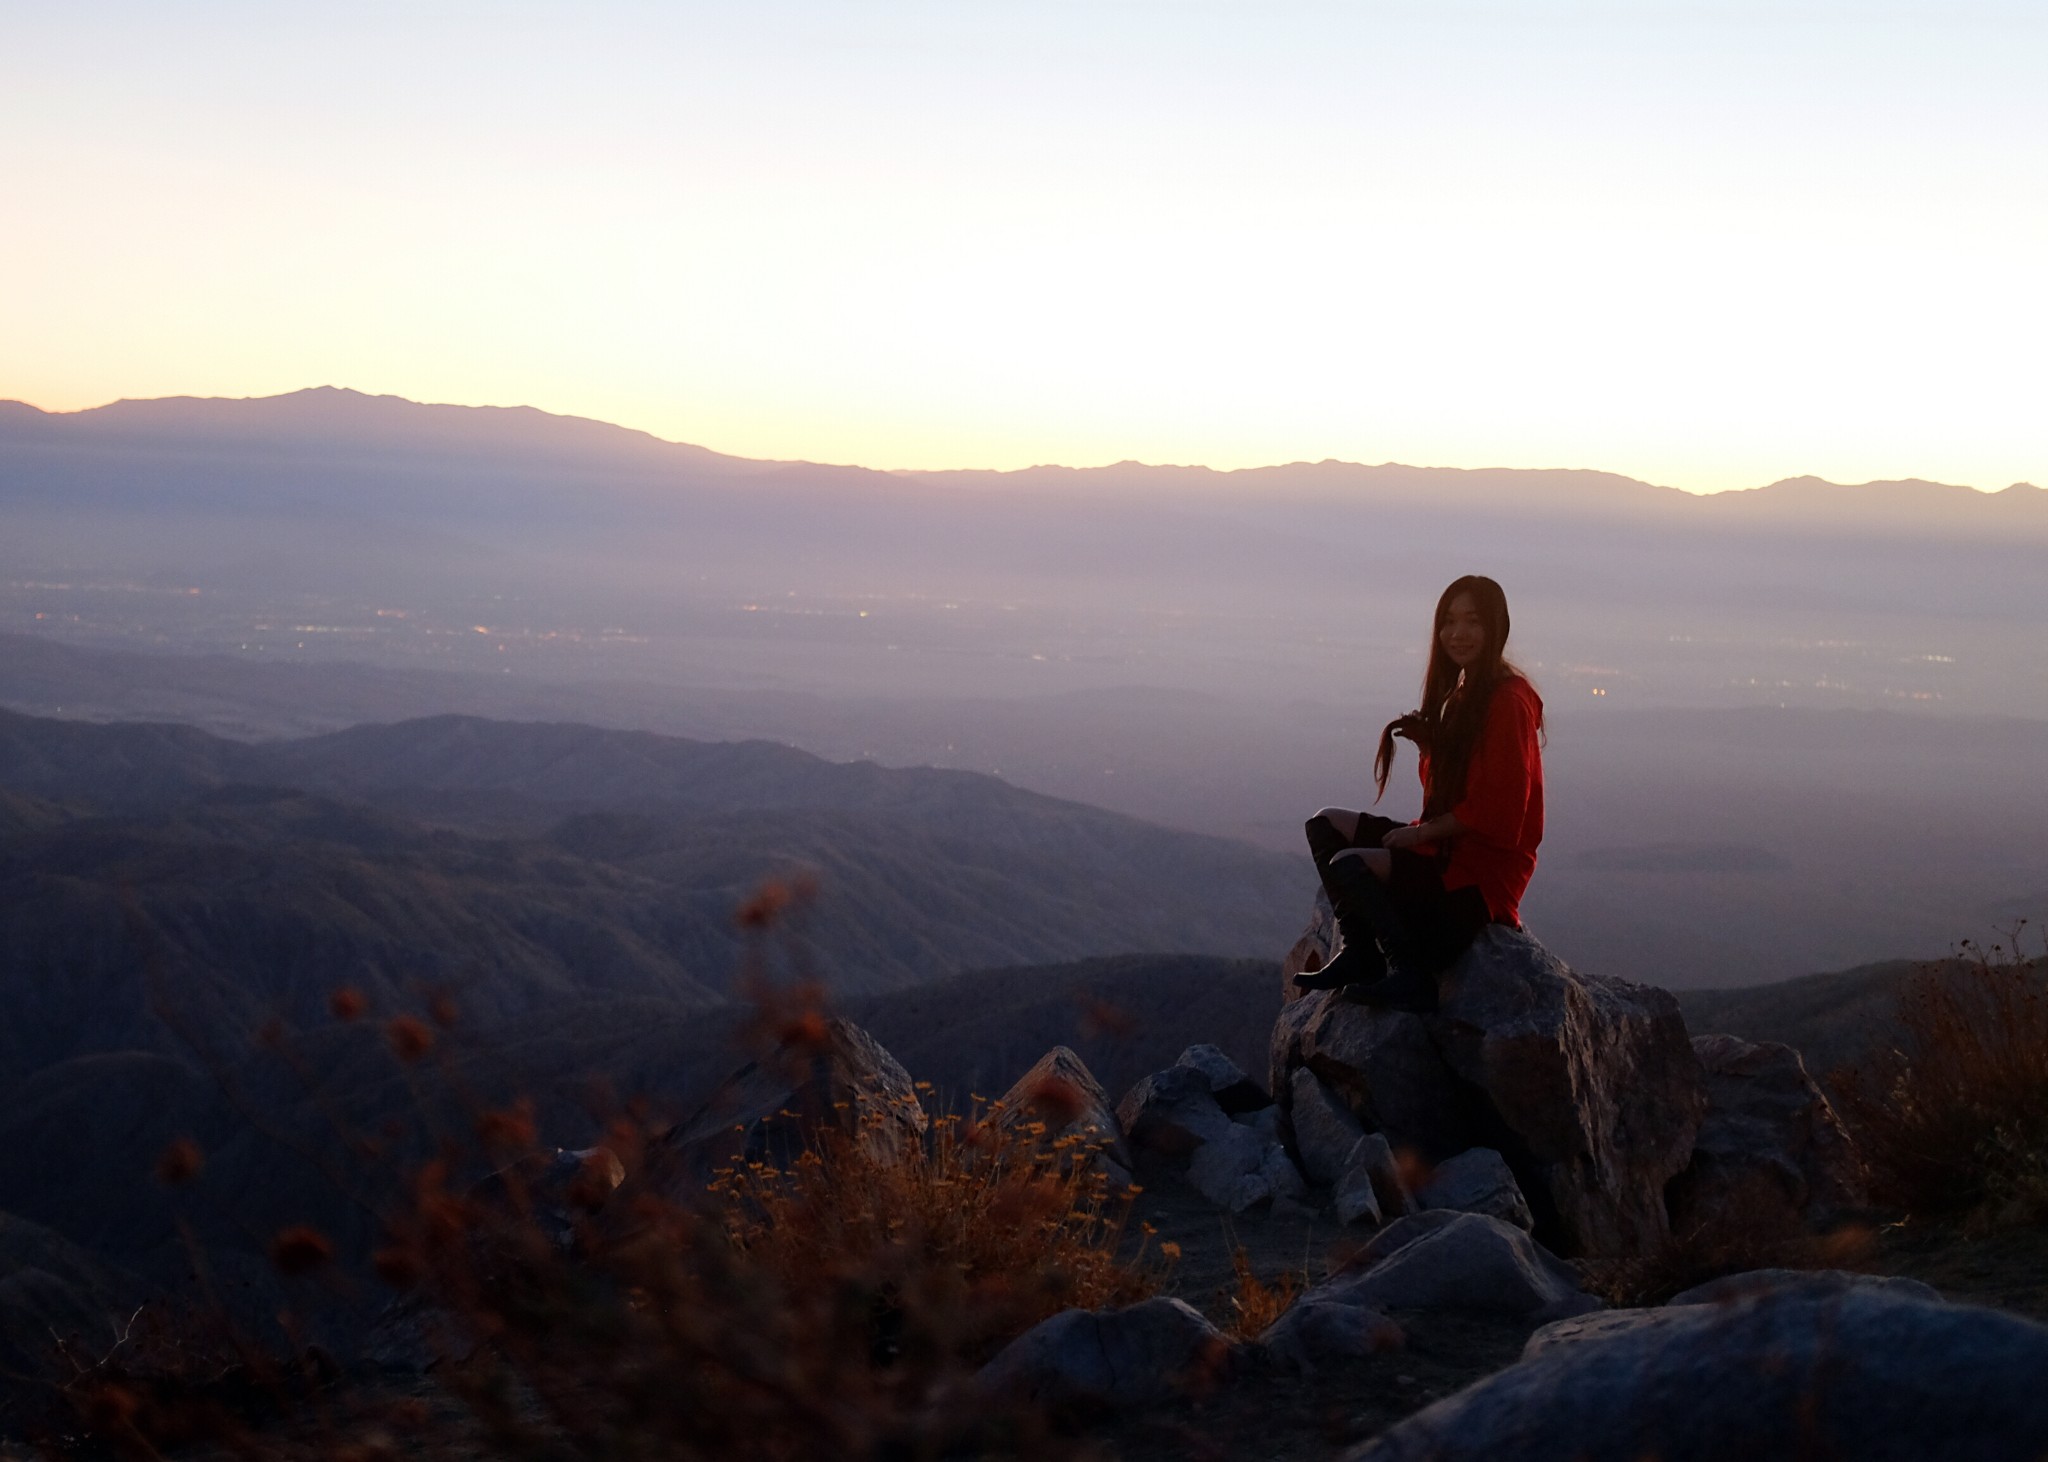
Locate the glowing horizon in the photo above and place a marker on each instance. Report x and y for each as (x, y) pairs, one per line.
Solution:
(1705, 246)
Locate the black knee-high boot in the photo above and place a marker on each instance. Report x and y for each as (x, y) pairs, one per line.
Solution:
(1380, 962)
(1358, 957)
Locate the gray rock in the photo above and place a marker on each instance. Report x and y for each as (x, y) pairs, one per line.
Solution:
(1864, 1374)
(1234, 1091)
(1231, 1171)
(1314, 1333)
(1771, 1149)
(1461, 1261)
(1477, 1181)
(1062, 1092)
(769, 1110)
(1814, 1283)
(1325, 1131)
(1171, 1112)
(1385, 1066)
(1116, 1358)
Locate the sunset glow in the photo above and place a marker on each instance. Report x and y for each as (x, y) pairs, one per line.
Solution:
(1708, 245)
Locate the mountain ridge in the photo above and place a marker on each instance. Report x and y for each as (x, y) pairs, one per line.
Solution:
(403, 423)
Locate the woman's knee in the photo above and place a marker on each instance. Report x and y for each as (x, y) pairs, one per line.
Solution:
(1343, 819)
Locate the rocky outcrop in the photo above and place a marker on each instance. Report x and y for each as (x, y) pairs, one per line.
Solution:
(1112, 1358)
(1771, 1151)
(1477, 1181)
(1588, 1086)
(1864, 1373)
(835, 1075)
(1459, 1261)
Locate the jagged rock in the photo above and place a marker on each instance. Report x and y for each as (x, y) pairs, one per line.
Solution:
(1130, 1357)
(767, 1110)
(1062, 1092)
(1814, 1283)
(1234, 1091)
(1477, 1181)
(1865, 1374)
(1171, 1112)
(1315, 1332)
(1231, 1171)
(1325, 1131)
(1771, 1149)
(1460, 1261)
(1587, 1085)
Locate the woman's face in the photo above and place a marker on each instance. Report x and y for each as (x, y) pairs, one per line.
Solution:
(1463, 634)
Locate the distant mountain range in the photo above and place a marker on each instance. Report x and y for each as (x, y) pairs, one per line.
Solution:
(332, 421)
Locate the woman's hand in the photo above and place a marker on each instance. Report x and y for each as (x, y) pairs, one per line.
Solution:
(1403, 837)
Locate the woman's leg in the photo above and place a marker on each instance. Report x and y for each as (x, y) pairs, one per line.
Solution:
(1347, 852)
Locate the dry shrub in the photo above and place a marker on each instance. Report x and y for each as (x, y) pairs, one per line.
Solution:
(1254, 1304)
(1953, 1117)
(993, 1222)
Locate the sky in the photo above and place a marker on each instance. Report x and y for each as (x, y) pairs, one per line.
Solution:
(1706, 244)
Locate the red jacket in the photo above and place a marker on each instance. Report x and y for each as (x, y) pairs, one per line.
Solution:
(1502, 809)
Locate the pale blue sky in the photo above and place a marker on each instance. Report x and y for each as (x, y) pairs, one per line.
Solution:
(1705, 244)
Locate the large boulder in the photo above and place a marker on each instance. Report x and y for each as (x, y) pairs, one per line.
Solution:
(1771, 1150)
(1062, 1095)
(1144, 1353)
(1866, 1374)
(1478, 1181)
(1172, 1112)
(1459, 1261)
(1587, 1085)
(835, 1075)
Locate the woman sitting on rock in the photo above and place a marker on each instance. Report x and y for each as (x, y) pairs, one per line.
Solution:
(1409, 897)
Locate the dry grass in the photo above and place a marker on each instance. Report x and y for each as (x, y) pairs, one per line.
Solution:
(1253, 1303)
(1953, 1118)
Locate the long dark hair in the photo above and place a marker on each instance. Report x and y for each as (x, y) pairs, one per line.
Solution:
(1447, 723)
